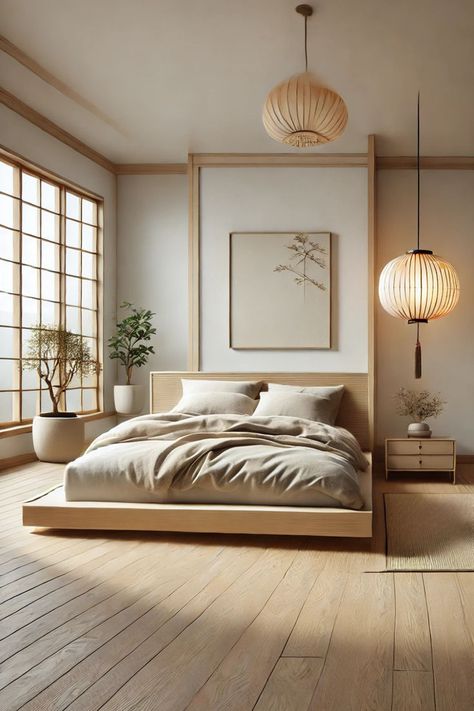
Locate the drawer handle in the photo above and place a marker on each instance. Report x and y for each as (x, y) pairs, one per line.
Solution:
(420, 461)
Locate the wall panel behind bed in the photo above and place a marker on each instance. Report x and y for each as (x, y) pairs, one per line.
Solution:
(165, 391)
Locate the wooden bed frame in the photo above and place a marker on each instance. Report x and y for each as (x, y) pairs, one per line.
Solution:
(51, 510)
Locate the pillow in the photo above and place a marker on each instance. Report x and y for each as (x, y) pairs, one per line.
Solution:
(332, 392)
(291, 404)
(244, 387)
(221, 403)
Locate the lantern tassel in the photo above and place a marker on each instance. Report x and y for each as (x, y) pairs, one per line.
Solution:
(418, 359)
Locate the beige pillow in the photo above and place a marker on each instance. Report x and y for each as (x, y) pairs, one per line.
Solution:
(332, 393)
(244, 387)
(291, 404)
(209, 403)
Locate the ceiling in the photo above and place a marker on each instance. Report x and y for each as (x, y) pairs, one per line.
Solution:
(170, 77)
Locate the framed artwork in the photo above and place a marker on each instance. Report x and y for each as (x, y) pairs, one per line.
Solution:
(280, 290)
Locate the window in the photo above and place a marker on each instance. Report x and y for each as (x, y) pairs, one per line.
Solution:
(49, 261)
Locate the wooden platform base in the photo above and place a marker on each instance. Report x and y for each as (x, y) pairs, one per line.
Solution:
(51, 510)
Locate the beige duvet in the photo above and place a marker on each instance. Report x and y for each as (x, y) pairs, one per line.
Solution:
(226, 459)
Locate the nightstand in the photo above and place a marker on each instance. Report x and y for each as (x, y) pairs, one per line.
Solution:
(414, 455)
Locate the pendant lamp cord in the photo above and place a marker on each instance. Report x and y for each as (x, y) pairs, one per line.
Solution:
(418, 172)
(418, 344)
(306, 43)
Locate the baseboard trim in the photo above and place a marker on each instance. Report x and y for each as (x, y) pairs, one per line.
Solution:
(17, 460)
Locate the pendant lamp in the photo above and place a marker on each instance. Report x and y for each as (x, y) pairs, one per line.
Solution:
(300, 112)
(419, 286)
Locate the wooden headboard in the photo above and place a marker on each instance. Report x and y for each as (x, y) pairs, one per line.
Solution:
(165, 392)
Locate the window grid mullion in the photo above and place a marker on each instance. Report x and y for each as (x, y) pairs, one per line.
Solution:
(62, 265)
(18, 414)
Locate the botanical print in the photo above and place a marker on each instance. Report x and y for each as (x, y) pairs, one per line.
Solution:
(279, 289)
(302, 250)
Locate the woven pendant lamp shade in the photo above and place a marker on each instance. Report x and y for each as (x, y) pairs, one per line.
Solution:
(418, 287)
(301, 113)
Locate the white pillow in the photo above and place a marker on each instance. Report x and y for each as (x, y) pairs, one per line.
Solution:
(244, 387)
(220, 403)
(333, 393)
(302, 405)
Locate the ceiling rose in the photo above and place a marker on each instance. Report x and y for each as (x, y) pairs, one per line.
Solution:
(299, 111)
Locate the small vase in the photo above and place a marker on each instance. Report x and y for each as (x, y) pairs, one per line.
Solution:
(419, 430)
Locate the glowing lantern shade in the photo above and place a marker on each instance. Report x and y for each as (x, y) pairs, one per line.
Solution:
(418, 287)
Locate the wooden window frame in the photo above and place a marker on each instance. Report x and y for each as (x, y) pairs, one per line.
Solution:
(18, 423)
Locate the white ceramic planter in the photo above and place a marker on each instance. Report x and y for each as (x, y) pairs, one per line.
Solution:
(58, 439)
(419, 430)
(129, 399)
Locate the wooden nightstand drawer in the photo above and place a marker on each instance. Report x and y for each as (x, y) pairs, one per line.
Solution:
(420, 446)
(425, 461)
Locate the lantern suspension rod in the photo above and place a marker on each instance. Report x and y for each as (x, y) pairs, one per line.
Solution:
(306, 11)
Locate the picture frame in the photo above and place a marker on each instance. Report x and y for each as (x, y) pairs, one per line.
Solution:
(280, 290)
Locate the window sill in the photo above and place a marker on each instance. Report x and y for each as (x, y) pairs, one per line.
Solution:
(26, 429)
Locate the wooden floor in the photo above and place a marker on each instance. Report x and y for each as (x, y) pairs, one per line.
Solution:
(138, 621)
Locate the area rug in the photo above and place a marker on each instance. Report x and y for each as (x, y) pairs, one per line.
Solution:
(429, 532)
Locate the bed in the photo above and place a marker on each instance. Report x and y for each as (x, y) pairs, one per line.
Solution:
(71, 509)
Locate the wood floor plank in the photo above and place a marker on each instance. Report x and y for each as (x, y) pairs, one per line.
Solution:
(106, 563)
(25, 648)
(291, 684)
(453, 651)
(44, 561)
(120, 630)
(413, 691)
(312, 632)
(203, 644)
(14, 557)
(358, 669)
(186, 609)
(466, 590)
(237, 683)
(412, 632)
(81, 553)
(91, 572)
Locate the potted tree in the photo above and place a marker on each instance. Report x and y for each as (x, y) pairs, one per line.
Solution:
(58, 356)
(129, 346)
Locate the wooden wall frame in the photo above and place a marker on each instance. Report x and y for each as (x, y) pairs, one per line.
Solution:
(197, 161)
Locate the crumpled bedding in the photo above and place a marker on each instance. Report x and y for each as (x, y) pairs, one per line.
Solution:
(227, 459)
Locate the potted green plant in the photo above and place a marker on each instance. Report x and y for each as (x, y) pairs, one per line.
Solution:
(130, 346)
(420, 406)
(58, 356)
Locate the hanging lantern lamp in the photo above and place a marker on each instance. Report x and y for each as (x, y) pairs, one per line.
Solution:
(419, 286)
(300, 112)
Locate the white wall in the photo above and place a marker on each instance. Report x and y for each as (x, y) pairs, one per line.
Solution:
(153, 261)
(286, 199)
(447, 227)
(153, 271)
(21, 136)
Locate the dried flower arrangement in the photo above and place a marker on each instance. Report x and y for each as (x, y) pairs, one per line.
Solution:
(419, 405)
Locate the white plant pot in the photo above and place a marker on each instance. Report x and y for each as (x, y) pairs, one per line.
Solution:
(58, 439)
(419, 430)
(129, 399)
